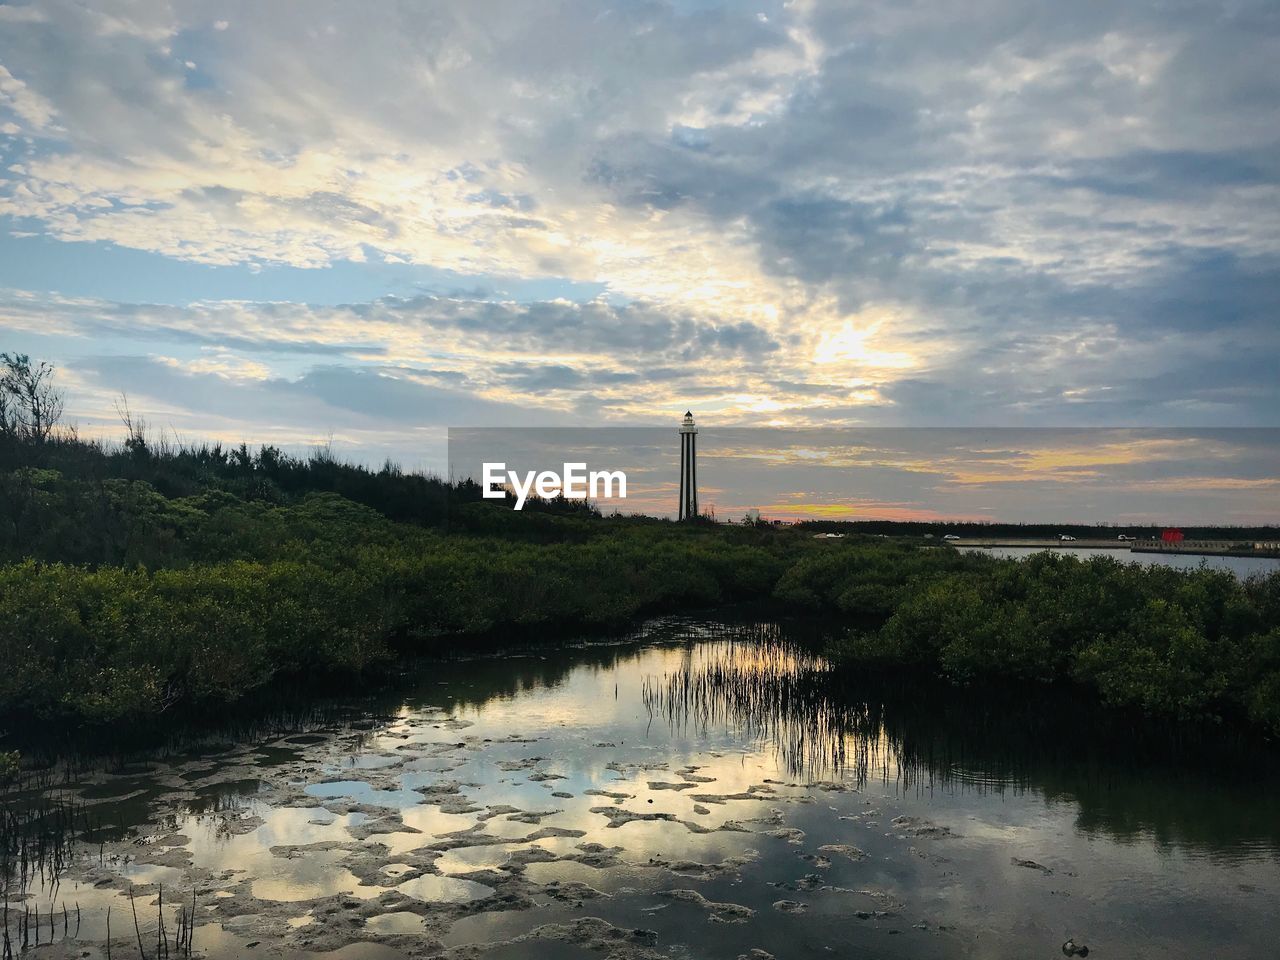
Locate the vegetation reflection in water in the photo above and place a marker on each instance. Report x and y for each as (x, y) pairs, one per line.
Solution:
(718, 785)
(770, 691)
(1129, 778)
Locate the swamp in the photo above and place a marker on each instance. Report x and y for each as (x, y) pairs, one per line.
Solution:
(702, 786)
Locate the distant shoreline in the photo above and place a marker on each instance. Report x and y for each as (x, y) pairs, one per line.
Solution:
(1046, 543)
(1227, 548)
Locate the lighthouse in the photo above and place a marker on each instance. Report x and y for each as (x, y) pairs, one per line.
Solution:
(688, 468)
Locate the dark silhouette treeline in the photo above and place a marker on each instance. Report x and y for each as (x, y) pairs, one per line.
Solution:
(107, 486)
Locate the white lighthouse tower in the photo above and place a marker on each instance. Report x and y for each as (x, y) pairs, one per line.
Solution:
(688, 468)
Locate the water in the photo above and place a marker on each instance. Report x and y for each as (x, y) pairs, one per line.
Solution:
(703, 789)
(1241, 566)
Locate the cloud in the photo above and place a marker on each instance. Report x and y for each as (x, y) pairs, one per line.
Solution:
(21, 101)
(408, 327)
(973, 212)
(373, 414)
(925, 474)
(435, 359)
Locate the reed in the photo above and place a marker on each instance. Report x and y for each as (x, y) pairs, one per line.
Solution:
(182, 942)
(42, 830)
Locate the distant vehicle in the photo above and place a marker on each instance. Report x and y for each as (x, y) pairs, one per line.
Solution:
(1064, 537)
(951, 536)
(1125, 537)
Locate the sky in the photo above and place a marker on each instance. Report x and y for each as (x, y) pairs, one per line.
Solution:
(362, 223)
(1090, 475)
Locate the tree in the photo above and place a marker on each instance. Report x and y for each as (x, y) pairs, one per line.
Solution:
(30, 405)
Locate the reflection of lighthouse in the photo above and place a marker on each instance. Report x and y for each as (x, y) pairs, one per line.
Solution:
(688, 468)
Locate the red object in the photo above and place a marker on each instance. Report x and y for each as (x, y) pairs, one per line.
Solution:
(1172, 535)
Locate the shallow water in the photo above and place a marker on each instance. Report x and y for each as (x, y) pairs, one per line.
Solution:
(702, 790)
(1241, 566)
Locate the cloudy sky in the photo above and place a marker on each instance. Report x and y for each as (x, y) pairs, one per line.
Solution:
(1177, 477)
(367, 221)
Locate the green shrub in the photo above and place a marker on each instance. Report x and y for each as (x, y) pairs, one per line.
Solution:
(1159, 661)
(1178, 643)
(9, 765)
(198, 577)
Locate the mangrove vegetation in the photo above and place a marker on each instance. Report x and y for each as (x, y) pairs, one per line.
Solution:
(145, 576)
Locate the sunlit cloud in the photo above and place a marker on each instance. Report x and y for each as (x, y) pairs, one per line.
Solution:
(863, 510)
(1209, 484)
(858, 347)
(803, 214)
